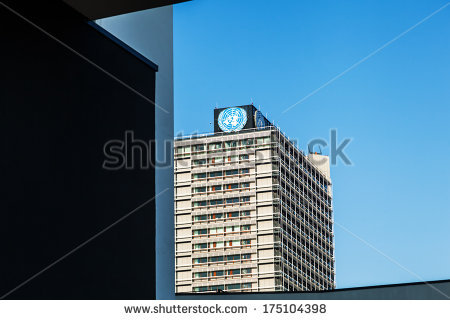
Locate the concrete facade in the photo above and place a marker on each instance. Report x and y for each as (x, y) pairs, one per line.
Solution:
(252, 214)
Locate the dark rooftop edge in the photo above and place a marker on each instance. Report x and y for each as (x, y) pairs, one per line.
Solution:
(318, 291)
(123, 45)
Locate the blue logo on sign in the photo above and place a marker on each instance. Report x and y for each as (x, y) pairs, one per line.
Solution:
(232, 119)
(260, 120)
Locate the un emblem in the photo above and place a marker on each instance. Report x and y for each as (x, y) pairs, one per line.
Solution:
(232, 119)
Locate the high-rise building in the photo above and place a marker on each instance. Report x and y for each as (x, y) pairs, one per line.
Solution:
(253, 213)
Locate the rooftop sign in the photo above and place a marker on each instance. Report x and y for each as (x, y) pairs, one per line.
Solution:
(232, 119)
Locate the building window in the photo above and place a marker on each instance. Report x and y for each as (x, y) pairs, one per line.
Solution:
(215, 202)
(216, 259)
(216, 230)
(198, 147)
(199, 175)
(200, 232)
(200, 274)
(232, 243)
(230, 144)
(245, 228)
(233, 286)
(199, 246)
(232, 214)
(245, 199)
(243, 157)
(216, 288)
(233, 272)
(216, 160)
(232, 200)
(200, 218)
(200, 289)
(234, 257)
(247, 271)
(215, 174)
(185, 149)
(218, 273)
(263, 140)
(215, 216)
(214, 146)
(219, 244)
(246, 170)
(200, 189)
(199, 204)
(246, 256)
(245, 213)
(216, 188)
(245, 242)
(199, 162)
(231, 172)
(198, 260)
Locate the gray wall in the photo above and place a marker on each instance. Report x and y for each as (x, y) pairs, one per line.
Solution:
(150, 32)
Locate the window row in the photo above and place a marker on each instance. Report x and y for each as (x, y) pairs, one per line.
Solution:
(231, 186)
(222, 287)
(215, 216)
(221, 273)
(221, 244)
(232, 257)
(218, 160)
(220, 230)
(220, 145)
(216, 174)
(220, 201)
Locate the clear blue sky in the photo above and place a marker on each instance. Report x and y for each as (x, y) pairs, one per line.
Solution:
(395, 106)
